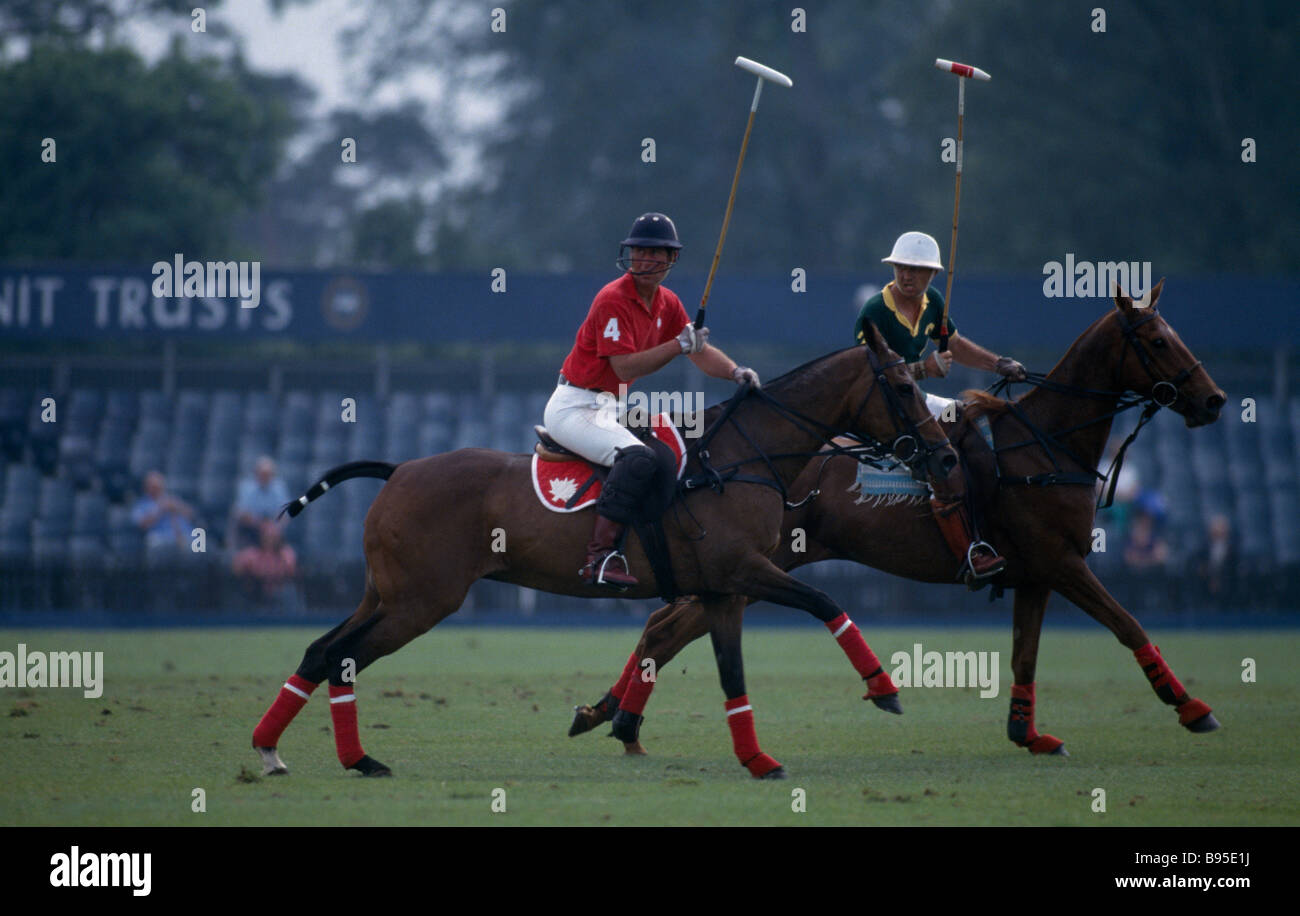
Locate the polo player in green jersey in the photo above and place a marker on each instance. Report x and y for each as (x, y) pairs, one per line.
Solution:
(909, 312)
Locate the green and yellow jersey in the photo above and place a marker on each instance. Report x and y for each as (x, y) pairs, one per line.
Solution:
(906, 339)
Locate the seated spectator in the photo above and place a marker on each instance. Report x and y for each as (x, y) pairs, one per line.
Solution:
(1215, 564)
(267, 571)
(1145, 549)
(259, 500)
(165, 520)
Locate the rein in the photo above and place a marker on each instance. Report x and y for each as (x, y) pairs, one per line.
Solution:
(1164, 393)
(908, 441)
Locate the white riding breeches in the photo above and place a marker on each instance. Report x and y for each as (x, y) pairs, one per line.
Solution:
(587, 422)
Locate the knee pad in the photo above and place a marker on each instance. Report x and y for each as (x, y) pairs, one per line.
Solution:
(628, 483)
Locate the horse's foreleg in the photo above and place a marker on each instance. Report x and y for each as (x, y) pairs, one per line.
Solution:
(297, 690)
(585, 718)
(667, 632)
(1080, 586)
(1031, 601)
(725, 616)
(766, 582)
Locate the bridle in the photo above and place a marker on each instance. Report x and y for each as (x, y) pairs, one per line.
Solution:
(907, 446)
(1172, 386)
(1164, 393)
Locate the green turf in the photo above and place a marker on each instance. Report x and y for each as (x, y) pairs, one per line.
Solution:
(463, 711)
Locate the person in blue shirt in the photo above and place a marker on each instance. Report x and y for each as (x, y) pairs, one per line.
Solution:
(165, 520)
(259, 500)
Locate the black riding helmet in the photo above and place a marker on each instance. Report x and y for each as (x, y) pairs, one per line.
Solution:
(649, 230)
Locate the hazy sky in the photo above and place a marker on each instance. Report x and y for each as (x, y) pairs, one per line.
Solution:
(300, 40)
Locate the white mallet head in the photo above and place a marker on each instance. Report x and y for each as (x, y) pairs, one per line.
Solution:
(766, 73)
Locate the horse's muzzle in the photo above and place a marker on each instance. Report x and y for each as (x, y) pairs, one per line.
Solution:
(943, 461)
(1207, 413)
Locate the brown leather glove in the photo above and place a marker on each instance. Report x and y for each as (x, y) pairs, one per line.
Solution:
(1011, 369)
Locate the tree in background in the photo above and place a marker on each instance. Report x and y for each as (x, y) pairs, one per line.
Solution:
(1122, 144)
(145, 160)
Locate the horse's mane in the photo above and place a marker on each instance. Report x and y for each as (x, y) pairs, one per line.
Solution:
(977, 403)
(785, 378)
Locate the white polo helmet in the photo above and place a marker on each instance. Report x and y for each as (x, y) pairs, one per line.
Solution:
(915, 249)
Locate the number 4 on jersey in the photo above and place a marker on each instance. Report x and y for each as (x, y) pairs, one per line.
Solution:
(611, 329)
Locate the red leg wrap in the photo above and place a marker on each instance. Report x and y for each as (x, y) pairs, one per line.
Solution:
(290, 701)
(629, 672)
(1020, 724)
(740, 719)
(849, 637)
(637, 692)
(1192, 710)
(1161, 677)
(343, 710)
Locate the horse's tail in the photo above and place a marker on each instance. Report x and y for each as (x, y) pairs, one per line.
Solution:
(334, 476)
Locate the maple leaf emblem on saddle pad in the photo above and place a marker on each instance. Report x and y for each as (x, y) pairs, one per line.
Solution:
(562, 490)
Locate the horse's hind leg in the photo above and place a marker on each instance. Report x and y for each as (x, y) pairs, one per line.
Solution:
(297, 690)
(725, 615)
(1080, 586)
(383, 633)
(1031, 601)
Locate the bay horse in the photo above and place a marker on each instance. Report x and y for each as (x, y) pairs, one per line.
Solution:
(443, 522)
(1038, 514)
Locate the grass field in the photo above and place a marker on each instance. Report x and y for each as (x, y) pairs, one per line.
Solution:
(464, 711)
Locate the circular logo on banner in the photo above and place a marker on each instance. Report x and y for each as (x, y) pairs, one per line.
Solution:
(344, 303)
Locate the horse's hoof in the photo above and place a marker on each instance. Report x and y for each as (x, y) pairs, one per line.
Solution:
(272, 765)
(1046, 745)
(584, 720)
(634, 749)
(626, 726)
(778, 773)
(1206, 723)
(369, 766)
(888, 702)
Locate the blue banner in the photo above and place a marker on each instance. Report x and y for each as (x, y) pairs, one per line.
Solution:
(62, 303)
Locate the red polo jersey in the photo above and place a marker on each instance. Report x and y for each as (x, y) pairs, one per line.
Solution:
(618, 323)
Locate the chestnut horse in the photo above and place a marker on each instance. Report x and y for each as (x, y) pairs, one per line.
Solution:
(1039, 508)
(441, 523)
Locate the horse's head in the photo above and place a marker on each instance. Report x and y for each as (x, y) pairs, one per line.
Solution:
(1157, 363)
(916, 437)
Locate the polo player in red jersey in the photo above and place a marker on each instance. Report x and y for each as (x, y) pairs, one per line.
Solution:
(635, 326)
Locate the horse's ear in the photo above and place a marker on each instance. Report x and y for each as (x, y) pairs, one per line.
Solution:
(1149, 300)
(875, 340)
(1123, 301)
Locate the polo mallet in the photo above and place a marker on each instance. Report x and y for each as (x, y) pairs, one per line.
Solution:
(763, 73)
(964, 72)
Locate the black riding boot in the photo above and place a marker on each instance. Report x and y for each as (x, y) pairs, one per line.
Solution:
(620, 501)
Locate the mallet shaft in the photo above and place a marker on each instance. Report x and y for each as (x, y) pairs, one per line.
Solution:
(763, 73)
(726, 220)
